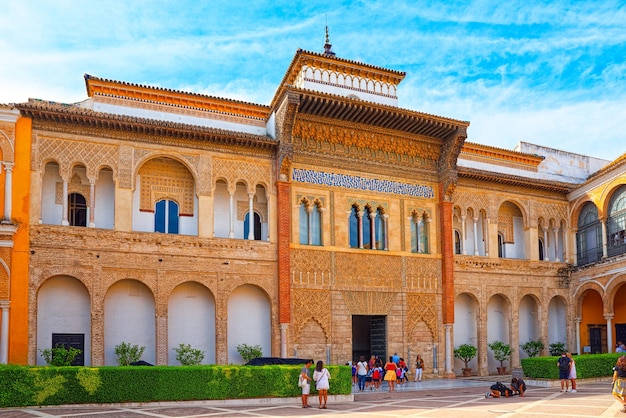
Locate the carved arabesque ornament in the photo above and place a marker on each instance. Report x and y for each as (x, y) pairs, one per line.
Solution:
(369, 303)
(422, 308)
(311, 305)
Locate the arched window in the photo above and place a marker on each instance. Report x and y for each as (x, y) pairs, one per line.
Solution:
(355, 225)
(366, 225)
(166, 217)
(310, 222)
(589, 235)
(379, 230)
(256, 225)
(457, 242)
(77, 210)
(500, 246)
(419, 232)
(616, 223)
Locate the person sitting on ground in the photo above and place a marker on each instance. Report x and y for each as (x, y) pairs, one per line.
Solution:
(499, 389)
(518, 386)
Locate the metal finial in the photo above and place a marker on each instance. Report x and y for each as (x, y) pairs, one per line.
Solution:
(328, 48)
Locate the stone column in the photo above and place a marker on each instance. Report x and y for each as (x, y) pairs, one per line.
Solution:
(92, 203)
(449, 349)
(283, 340)
(481, 343)
(577, 322)
(514, 339)
(475, 236)
(231, 214)
(463, 251)
(64, 221)
(417, 234)
(8, 190)
(4, 331)
(373, 230)
(609, 332)
(556, 245)
(359, 215)
(486, 236)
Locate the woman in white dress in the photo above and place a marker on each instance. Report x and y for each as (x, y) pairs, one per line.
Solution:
(321, 377)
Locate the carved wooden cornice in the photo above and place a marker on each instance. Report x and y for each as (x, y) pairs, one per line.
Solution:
(72, 119)
(377, 140)
(447, 161)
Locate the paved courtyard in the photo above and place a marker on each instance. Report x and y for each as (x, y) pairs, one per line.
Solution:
(436, 398)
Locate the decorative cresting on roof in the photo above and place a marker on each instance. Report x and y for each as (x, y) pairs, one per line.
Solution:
(450, 151)
(331, 64)
(104, 87)
(71, 114)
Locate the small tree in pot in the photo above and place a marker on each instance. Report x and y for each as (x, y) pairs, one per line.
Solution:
(501, 352)
(466, 352)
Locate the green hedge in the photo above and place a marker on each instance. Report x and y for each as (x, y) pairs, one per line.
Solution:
(588, 365)
(27, 386)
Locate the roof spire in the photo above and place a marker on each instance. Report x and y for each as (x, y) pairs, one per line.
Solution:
(328, 48)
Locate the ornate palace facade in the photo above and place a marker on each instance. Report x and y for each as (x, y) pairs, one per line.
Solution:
(328, 224)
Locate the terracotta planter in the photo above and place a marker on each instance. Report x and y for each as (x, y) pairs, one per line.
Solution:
(501, 370)
(467, 372)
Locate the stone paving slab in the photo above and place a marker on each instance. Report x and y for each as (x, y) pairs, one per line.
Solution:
(440, 399)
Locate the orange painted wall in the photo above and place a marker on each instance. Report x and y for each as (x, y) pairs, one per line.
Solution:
(592, 313)
(619, 309)
(18, 318)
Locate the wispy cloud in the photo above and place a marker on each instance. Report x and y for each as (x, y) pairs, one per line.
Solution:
(546, 72)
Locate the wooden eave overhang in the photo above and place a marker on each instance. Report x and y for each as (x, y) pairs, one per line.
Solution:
(387, 117)
(518, 181)
(142, 93)
(70, 114)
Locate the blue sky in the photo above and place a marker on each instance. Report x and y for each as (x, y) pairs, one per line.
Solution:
(551, 73)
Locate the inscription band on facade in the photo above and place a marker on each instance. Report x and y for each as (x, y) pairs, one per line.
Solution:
(361, 183)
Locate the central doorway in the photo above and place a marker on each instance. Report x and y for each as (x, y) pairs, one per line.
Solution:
(369, 336)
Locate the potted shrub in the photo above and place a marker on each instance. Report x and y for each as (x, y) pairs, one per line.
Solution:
(501, 352)
(466, 352)
(532, 347)
(556, 349)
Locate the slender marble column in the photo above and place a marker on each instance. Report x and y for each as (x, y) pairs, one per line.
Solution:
(92, 203)
(64, 221)
(231, 214)
(475, 236)
(8, 189)
(4, 333)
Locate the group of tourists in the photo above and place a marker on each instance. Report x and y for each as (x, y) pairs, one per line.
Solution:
(395, 371)
(370, 374)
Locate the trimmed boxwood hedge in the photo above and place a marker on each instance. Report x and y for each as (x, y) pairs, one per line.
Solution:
(587, 365)
(28, 386)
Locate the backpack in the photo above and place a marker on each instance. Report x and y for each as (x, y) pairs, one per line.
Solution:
(500, 387)
(564, 364)
(376, 374)
(399, 373)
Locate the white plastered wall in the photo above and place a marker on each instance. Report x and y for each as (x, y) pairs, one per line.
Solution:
(191, 320)
(249, 321)
(63, 307)
(465, 326)
(129, 316)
